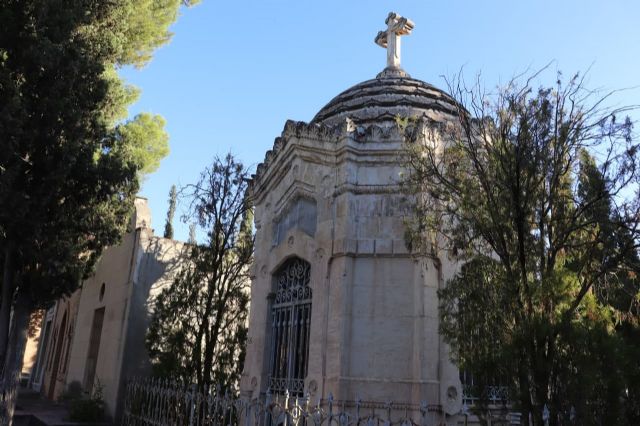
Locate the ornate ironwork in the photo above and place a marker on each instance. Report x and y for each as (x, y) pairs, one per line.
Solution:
(496, 394)
(293, 283)
(8, 395)
(162, 402)
(290, 326)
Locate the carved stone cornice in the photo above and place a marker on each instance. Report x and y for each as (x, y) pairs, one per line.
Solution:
(296, 129)
(314, 131)
(339, 135)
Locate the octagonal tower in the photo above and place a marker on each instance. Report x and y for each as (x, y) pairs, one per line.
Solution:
(338, 304)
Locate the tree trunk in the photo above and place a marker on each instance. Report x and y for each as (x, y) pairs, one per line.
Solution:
(525, 393)
(197, 353)
(6, 302)
(15, 352)
(214, 332)
(208, 360)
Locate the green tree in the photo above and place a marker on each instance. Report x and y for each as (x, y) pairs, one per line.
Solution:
(70, 166)
(198, 327)
(620, 292)
(168, 226)
(143, 142)
(542, 233)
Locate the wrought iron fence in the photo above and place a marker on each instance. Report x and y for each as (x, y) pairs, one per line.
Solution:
(493, 395)
(162, 402)
(8, 394)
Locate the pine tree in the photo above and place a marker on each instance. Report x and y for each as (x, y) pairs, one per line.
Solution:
(70, 163)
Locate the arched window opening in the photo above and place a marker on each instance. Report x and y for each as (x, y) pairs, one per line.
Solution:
(290, 325)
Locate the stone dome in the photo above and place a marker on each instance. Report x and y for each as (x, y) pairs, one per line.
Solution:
(384, 98)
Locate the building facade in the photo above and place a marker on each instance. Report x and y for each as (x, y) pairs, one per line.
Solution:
(340, 306)
(95, 337)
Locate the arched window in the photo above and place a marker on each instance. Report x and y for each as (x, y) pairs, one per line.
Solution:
(290, 323)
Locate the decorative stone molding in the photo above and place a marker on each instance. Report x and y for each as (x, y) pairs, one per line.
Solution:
(349, 130)
(314, 131)
(367, 189)
(296, 129)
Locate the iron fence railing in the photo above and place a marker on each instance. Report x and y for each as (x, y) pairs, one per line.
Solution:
(161, 402)
(493, 395)
(8, 394)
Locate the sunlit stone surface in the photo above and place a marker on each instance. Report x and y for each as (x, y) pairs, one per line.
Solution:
(374, 316)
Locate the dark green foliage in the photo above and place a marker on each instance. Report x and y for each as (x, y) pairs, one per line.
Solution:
(88, 409)
(547, 297)
(68, 174)
(198, 328)
(70, 163)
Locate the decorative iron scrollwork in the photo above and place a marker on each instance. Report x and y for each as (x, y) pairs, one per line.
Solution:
(290, 326)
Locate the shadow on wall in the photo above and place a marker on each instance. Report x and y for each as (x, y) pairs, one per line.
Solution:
(159, 261)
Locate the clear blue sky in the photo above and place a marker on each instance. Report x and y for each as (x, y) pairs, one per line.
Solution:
(234, 72)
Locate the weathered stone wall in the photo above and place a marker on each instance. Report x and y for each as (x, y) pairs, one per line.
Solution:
(131, 273)
(374, 327)
(158, 262)
(114, 271)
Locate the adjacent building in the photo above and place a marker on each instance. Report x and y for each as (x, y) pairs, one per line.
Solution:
(95, 337)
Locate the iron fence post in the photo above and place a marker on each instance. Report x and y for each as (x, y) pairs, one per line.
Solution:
(191, 401)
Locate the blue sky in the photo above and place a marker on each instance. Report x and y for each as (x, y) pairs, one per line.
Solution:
(234, 72)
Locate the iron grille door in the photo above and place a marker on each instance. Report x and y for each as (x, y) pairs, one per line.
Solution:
(290, 324)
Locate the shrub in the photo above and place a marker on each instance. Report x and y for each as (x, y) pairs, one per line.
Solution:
(88, 410)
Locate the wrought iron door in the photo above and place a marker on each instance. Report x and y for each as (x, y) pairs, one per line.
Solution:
(290, 324)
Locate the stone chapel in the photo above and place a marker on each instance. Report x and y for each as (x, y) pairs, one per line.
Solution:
(339, 305)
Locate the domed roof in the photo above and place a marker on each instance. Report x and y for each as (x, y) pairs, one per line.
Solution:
(386, 97)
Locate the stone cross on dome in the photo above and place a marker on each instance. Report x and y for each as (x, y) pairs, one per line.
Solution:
(390, 39)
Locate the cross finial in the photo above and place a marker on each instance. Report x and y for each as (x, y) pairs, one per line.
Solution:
(390, 39)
